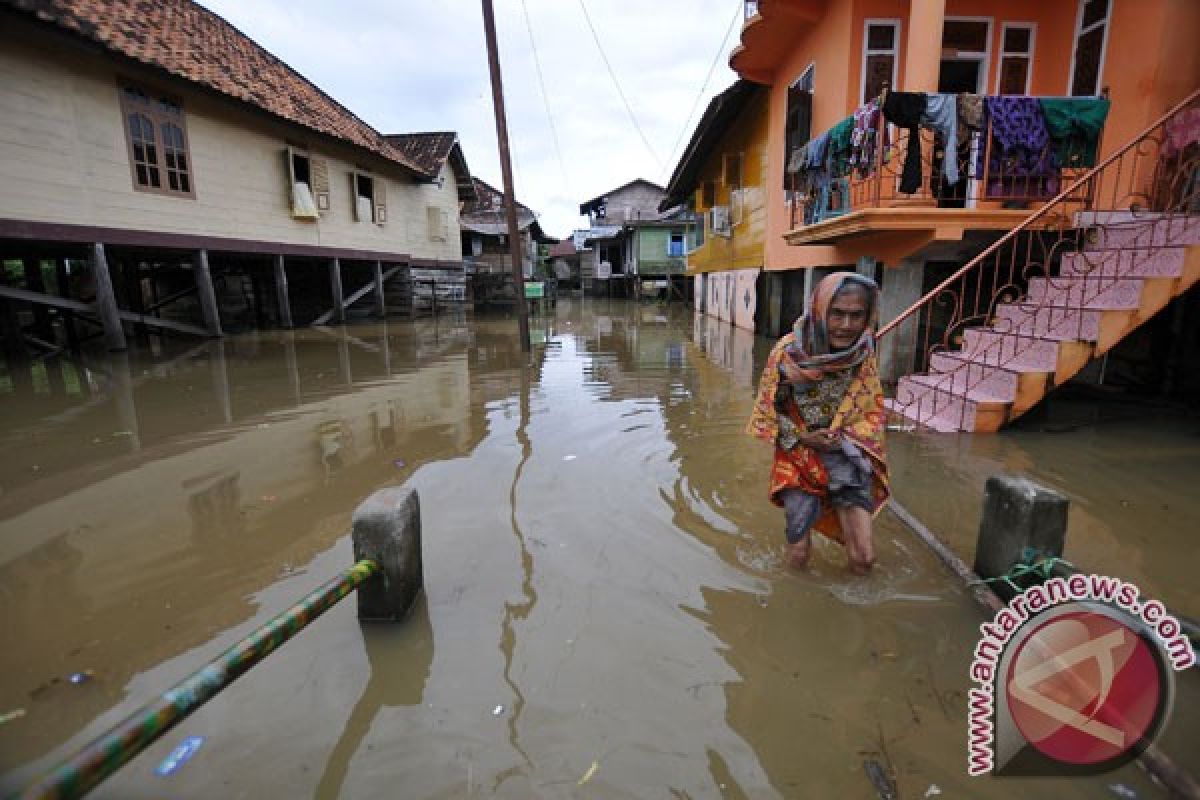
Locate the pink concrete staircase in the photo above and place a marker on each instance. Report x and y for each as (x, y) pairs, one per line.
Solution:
(1129, 269)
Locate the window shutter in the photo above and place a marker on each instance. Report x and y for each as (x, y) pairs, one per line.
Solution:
(433, 216)
(289, 173)
(320, 181)
(354, 195)
(380, 190)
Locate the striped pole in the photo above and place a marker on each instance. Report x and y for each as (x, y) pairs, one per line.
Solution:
(95, 762)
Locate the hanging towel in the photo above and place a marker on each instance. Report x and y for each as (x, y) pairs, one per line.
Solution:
(1181, 130)
(941, 114)
(839, 146)
(904, 109)
(1074, 124)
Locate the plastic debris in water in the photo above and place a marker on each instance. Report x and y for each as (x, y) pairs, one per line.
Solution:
(933, 790)
(1121, 790)
(587, 776)
(81, 677)
(399, 462)
(497, 711)
(9, 716)
(179, 756)
(879, 779)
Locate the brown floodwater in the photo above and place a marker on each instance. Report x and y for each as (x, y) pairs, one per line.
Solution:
(606, 610)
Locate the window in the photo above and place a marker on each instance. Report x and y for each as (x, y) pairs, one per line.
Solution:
(798, 121)
(675, 246)
(731, 170)
(369, 205)
(881, 42)
(308, 183)
(439, 224)
(708, 194)
(1016, 57)
(157, 141)
(1091, 36)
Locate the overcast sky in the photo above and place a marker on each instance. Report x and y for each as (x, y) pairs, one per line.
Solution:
(421, 65)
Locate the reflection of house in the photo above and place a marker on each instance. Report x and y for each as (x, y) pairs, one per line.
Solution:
(721, 176)
(223, 188)
(630, 242)
(964, 178)
(564, 262)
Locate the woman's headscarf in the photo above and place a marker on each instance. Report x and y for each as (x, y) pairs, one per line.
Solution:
(808, 359)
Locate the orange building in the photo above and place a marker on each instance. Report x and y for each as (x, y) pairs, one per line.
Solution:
(1021, 236)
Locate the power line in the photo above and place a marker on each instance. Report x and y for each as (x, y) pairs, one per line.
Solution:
(537, 63)
(617, 83)
(737, 12)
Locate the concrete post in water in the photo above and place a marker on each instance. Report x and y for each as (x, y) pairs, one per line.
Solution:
(281, 291)
(208, 296)
(387, 530)
(335, 287)
(1021, 521)
(106, 301)
(380, 302)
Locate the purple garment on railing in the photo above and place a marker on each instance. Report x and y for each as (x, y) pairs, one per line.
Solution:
(1020, 147)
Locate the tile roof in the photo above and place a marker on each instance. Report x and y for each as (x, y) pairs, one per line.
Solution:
(194, 44)
(564, 249)
(430, 151)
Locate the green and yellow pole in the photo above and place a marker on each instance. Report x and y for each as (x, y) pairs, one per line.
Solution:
(81, 772)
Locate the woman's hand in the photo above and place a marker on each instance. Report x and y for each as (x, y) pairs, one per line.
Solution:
(822, 439)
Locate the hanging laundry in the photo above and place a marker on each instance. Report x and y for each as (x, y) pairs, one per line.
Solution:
(1074, 124)
(865, 137)
(1181, 130)
(1022, 163)
(904, 109)
(941, 114)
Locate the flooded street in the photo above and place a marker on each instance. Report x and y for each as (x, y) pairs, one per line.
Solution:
(606, 610)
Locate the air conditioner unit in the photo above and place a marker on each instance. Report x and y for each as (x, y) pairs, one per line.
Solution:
(718, 220)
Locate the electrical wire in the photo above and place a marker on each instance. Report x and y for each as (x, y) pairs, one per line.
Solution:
(737, 12)
(537, 63)
(617, 83)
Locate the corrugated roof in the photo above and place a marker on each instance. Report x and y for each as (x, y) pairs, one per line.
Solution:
(193, 44)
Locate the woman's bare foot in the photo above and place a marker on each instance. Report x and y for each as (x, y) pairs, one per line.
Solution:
(799, 552)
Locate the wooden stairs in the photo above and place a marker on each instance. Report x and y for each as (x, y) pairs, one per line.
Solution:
(1130, 267)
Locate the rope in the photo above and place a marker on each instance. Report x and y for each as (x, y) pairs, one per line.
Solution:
(1042, 567)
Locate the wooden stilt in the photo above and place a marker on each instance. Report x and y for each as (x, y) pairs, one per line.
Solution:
(208, 295)
(281, 291)
(106, 301)
(335, 286)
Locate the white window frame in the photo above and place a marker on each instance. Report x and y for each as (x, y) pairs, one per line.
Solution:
(1004, 29)
(895, 24)
(1079, 32)
(984, 56)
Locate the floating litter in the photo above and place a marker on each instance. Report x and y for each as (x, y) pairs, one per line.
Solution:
(933, 790)
(497, 711)
(1121, 790)
(587, 776)
(9, 716)
(179, 756)
(399, 462)
(81, 677)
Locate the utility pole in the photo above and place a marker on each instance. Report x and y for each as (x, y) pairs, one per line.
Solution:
(510, 197)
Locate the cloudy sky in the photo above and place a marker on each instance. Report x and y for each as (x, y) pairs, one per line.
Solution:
(421, 65)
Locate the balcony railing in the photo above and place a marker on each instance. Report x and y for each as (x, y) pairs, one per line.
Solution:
(870, 174)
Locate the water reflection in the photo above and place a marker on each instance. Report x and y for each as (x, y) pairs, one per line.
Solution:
(601, 566)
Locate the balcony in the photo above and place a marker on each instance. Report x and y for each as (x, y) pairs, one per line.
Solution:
(856, 184)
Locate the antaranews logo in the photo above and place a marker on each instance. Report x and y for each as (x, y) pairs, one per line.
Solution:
(1075, 677)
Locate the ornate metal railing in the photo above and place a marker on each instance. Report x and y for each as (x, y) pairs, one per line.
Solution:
(1088, 249)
